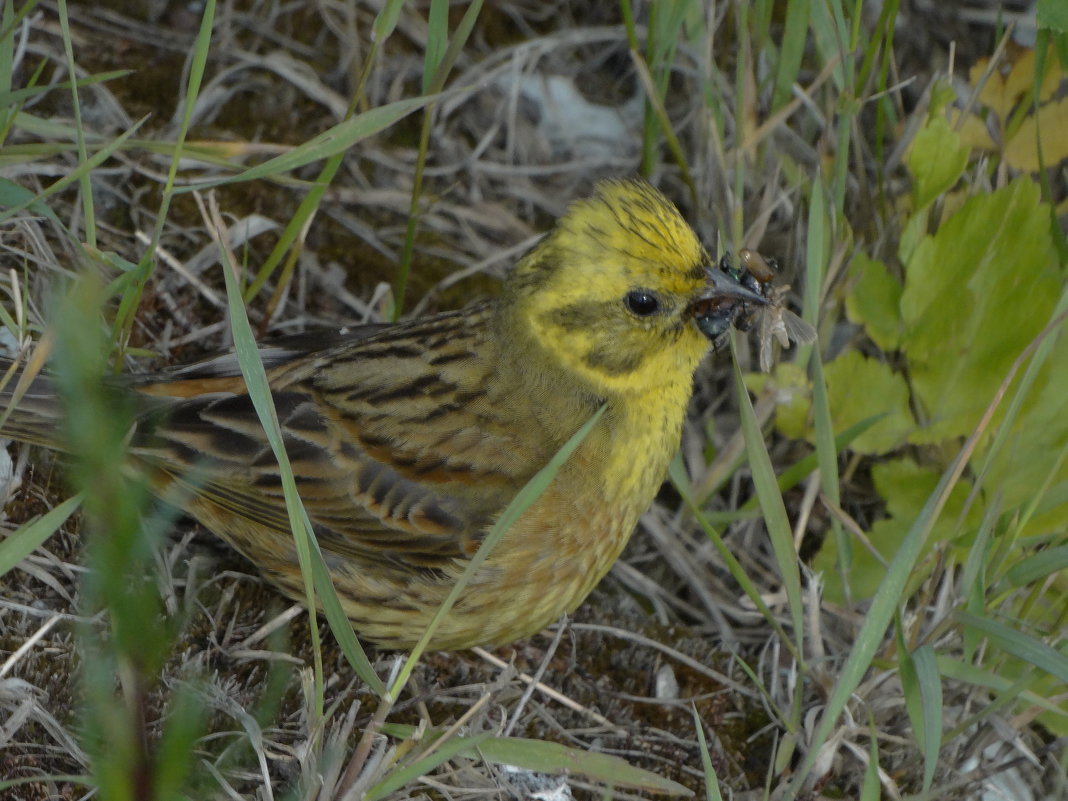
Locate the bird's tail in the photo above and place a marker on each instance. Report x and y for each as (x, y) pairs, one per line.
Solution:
(30, 408)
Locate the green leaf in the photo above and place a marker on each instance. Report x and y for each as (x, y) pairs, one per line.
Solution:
(16, 96)
(869, 790)
(78, 173)
(1032, 454)
(875, 301)
(386, 20)
(956, 670)
(793, 397)
(976, 294)
(11, 194)
(1052, 14)
(186, 716)
(886, 600)
(936, 160)
(859, 388)
(906, 488)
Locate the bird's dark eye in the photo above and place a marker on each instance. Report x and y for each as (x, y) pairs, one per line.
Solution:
(642, 302)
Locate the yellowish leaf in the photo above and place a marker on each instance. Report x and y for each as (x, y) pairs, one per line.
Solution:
(994, 94)
(973, 132)
(1050, 123)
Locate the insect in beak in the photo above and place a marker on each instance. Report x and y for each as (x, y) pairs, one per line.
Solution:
(726, 301)
(739, 293)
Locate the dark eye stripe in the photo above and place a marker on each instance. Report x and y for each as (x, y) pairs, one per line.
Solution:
(582, 315)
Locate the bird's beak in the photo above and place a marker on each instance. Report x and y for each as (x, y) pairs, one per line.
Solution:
(723, 303)
(721, 286)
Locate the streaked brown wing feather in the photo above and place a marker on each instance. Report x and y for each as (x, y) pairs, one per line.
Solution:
(396, 446)
(222, 373)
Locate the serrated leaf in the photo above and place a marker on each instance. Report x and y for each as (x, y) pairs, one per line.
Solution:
(865, 571)
(875, 301)
(906, 487)
(860, 387)
(936, 160)
(912, 234)
(976, 293)
(1033, 454)
(793, 397)
(793, 408)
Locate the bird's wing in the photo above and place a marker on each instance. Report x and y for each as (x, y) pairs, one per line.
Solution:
(398, 450)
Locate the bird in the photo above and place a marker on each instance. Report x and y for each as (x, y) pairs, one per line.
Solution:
(408, 440)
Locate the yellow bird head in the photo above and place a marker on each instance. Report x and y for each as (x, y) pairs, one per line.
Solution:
(613, 292)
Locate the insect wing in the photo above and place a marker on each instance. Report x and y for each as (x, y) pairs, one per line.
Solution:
(779, 323)
(768, 319)
(797, 329)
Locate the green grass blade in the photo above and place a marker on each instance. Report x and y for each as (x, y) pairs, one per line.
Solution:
(313, 569)
(19, 197)
(791, 51)
(922, 685)
(1029, 649)
(899, 571)
(81, 171)
(18, 96)
(84, 178)
(767, 489)
(1039, 566)
(21, 543)
(383, 26)
(334, 140)
(401, 777)
(869, 790)
(547, 757)
(436, 83)
(712, 792)
(437, 41)
(386, 20)
(124, 319)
